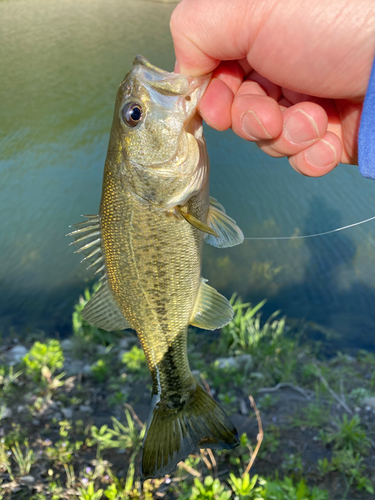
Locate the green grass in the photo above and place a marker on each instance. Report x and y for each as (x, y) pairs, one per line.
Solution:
(87, 458)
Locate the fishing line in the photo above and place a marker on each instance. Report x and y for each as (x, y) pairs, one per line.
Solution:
(312, 235)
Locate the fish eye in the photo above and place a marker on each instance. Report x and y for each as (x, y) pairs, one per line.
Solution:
(132, 114)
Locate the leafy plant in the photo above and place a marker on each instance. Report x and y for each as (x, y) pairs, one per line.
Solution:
(89, 493)
(292, 464)
(135, 361)
(41, 356)
(100, 370)
(210, 489)
(62, 452)
(350, 435)
(245, 488)
(121, 436)
(24, 461)
(245, 331)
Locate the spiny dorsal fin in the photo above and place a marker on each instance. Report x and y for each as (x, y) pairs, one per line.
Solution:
(102, 311)
(212, 310)
(229, 234)
(87, 235)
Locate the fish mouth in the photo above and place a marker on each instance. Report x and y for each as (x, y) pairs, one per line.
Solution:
(170, 83)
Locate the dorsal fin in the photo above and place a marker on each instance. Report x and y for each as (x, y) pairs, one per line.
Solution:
(87, 234)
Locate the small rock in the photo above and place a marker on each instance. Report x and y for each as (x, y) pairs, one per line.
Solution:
(6, 412)
(66, 345)
(196, 373)
(370, 402)
(35, 421)
(245, 362)
(16, 354)
(86, 369)
(67, 412)
(315, 438)
(357, 409)
(27, 479)
(243, 407)
(73, 367)
(20, 408)
(101, 349)
(126, 342)
(368, 408)
(85, 409)
(225, 363)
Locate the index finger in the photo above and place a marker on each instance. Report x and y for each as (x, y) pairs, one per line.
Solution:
(205, 33)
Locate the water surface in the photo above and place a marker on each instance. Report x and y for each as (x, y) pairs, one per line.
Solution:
(60, 65)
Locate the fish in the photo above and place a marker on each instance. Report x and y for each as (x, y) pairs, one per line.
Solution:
(146, 244)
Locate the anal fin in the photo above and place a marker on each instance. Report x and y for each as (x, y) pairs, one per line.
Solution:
(212, 310)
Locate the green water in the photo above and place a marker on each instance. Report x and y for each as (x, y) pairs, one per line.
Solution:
(60, 65)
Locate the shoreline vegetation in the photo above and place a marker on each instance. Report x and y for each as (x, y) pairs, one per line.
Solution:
(72, 415)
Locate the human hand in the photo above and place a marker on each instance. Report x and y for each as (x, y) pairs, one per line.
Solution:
(290, 75)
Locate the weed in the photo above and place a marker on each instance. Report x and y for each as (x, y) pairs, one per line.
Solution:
(24, 461)
(271, 441)
(88, 492)
(351, 464)
(314, 415)
(293, 466)
(350, 435)
(47, 355)
(123, 437)
(267, 402)
(287, 490)
(210, 489)
(62, 452)
(245, 331)
(100, 370)
(5, 458)
(16, 435)
(135, 362)
(7, 380)
(245, 488)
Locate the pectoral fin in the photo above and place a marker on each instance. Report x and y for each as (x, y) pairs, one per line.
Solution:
(228, 233)
(197, 223)
(212, 310)
(102, 311)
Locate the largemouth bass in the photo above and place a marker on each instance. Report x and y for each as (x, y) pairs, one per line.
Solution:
(147, 241)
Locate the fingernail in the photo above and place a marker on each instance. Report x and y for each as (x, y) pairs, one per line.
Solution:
(321, 154)
(176, 67)
(253, 127)
(300, 127)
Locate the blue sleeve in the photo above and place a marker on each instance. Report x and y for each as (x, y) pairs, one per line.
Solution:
(366, 139)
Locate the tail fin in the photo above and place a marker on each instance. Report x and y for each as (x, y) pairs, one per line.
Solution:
(173, 433)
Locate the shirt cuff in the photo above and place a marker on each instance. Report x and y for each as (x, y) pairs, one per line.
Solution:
(366, 138)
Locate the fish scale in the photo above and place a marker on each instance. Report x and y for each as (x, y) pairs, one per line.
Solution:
(147, 243)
